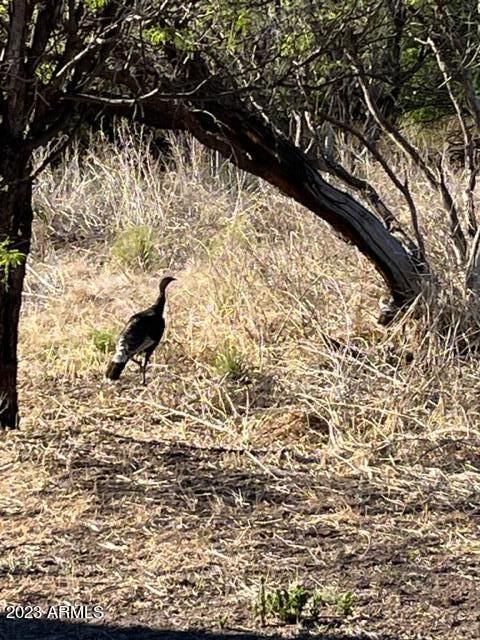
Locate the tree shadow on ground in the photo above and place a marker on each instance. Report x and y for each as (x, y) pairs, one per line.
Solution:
(176, 474)
(42, 629)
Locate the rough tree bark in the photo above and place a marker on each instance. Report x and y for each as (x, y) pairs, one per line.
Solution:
(15, 202)
(16, 226)
(254, 146)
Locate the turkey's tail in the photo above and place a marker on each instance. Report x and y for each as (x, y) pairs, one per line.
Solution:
(115, 369)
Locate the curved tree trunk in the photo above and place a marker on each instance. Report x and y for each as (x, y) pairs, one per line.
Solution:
(255, 147)
(219, 119)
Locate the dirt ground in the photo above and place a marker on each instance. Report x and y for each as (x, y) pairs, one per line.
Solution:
(168, 530)
(259, 456)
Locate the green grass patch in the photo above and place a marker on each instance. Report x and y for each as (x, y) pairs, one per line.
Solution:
(135, 247)
(297, 604)
(229, 362)
(103, 340)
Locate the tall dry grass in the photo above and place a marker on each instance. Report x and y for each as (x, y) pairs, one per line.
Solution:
(260, 283)
(258, 451)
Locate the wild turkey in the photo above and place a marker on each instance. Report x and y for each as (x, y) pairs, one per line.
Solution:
(142, 334)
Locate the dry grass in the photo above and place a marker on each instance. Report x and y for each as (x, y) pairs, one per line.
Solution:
(257, 450)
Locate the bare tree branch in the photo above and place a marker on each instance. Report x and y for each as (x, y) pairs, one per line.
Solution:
(439, 184)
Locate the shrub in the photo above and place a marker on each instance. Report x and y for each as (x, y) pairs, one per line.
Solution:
(228, 362)
(135, 247)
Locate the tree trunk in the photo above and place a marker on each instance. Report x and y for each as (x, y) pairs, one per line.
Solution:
(16, 226)
(9, 314)
(222, 121)
(253, 146)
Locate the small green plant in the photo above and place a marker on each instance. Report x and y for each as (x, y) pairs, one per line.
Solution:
(296, 604)
(9, 259)
(345, 603)
(287, 605)
(95, 5)
(228, 362)
(103, 340)
(135, 247)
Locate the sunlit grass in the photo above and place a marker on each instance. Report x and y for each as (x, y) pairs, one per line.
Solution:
(275, 404)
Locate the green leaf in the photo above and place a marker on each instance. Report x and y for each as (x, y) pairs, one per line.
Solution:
(9, 259)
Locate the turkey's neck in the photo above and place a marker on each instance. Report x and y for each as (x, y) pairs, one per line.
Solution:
(160, 305)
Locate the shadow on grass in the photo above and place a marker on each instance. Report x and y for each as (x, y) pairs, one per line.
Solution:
(57, 630)
(180, 476)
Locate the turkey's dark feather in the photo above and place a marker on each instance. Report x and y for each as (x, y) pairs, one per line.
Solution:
(141, 334)
(142, 327)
